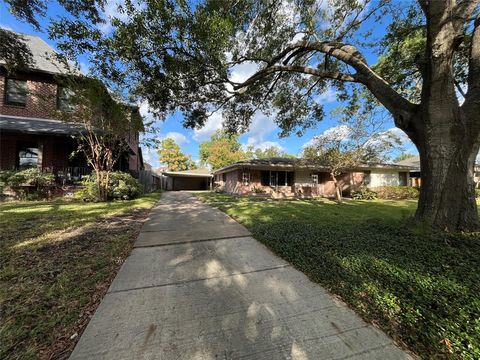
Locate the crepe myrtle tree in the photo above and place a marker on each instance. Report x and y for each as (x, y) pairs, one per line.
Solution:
(424, 71)
(352, 143)
(104, 122)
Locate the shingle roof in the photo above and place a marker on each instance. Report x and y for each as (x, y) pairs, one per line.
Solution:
(200, 172)
(299, 163)
(413, 162)
(37, 126)
(44, 56)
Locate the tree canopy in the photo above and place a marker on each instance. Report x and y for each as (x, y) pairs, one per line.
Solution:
(170, 153)
(221, 150)
(269, 152)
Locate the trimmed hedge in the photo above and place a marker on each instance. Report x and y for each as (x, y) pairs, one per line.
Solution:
(364, 194)
(30, 184)
(397, 192)
(121, 186)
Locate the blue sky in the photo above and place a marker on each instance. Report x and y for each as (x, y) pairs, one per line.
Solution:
(262, 133)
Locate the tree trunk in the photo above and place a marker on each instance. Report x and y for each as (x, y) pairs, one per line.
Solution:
(338, 194)
(445, 132)
(447, 159)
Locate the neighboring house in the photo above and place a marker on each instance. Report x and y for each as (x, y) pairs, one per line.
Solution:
(287, 177)
(415, 172)
(414, 164)
(196, 179)
(30, 135)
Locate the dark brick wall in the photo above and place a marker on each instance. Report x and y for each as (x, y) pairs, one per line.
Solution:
(41, 103)
(41, 98)
(55, 150)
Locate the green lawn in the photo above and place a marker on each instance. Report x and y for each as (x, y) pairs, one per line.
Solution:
(422, 289)
(57, 260)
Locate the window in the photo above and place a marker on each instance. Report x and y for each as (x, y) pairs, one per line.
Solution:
(16, 92)
(315, 179)
(402, 178)
(277, 178)
(246, 178)
(224, 177)
(64, 96)
(27, 155)
(366, 178)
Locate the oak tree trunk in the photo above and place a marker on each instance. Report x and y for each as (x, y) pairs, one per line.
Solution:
(445, 132)
(448, 148)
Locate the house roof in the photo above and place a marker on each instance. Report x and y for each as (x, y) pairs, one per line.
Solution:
(44, 57)
(37, 126)
(200, 172)
(298, 163)
(413, 162)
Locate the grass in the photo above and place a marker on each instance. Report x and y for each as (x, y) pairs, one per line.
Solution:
(421, 288)
(57, 261)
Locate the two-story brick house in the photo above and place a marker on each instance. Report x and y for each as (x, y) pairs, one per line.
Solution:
(30, 135)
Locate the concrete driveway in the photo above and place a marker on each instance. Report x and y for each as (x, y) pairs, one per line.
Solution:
(198, 286)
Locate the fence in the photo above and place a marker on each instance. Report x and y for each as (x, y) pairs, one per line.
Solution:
(151, 181)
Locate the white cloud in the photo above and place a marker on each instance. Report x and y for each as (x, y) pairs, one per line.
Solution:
(339, 132)
(241, 72)
(213, 124)
(112, 11)
(6, 27)
(261, 126)
(179, 138)
(404, 139)
(326, 97)
(264, 145)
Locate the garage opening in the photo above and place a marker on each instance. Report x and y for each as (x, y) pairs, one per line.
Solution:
(198, 179)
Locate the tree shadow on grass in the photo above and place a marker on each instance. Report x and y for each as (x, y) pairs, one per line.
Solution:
(421, 287)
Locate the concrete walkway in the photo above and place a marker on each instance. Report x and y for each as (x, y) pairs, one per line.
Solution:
(198, 286)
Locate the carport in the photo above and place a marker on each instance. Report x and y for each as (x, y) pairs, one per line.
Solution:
(198, 179)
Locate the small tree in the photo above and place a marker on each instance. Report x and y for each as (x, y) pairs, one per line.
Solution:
(221, 150)
(170, 154)
(104, 125)
(270, 152)
(347, 146)
(403, 156)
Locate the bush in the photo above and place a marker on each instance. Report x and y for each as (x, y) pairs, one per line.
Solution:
(364, 194)
(397, 192)
(257, 190)
(121, 186)
(477, 193)
(30, 184)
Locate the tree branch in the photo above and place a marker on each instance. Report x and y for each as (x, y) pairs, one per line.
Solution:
(295, 68)
(401, 109)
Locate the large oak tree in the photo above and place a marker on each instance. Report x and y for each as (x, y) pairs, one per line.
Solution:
(424, 70)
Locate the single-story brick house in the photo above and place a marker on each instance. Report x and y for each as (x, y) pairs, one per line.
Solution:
(291, 177)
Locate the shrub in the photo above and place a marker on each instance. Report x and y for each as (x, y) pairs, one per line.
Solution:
(257, 190)
(364, 194)
(121, 186)
(397, 192)
(477, 193)
(30, 184)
